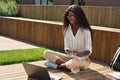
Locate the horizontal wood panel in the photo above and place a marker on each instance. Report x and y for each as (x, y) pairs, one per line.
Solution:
(108, 16)
(105, 40)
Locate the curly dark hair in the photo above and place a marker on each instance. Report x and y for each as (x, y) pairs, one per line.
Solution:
(79, 15)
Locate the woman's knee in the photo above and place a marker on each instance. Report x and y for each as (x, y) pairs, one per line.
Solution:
(70, 64)
(50, 55)
(47, 53)
(85, 65)
(75, 63)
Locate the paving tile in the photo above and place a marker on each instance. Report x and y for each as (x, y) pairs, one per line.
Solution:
(7, 43)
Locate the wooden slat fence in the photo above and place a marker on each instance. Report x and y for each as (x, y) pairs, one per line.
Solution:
(105, 40)
(97, 15)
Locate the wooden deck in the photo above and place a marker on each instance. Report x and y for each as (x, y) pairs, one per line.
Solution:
(96, 71)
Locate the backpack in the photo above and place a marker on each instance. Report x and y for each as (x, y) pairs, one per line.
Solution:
(115, 63)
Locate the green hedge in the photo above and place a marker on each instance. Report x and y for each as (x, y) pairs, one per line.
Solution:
(8, 9)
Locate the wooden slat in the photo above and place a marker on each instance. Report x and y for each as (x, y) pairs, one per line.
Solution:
(118, 39)
(102, 48)
(94, 44)
(98, 47)
(113, 43)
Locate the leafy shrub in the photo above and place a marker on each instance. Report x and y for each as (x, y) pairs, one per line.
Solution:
(8, 9)
(12, 9)
(16, 1)
(1, 8)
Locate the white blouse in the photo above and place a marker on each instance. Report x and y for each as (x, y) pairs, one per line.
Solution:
(80, 42)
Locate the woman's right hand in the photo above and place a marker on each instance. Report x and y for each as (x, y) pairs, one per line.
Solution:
(72, 55)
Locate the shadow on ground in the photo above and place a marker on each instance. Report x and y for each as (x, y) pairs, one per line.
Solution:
(88, 74)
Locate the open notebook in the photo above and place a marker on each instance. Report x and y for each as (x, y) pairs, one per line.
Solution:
(35, 72)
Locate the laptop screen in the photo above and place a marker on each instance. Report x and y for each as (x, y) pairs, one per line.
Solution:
(36, 72)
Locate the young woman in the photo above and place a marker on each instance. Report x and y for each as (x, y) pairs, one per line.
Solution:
(77, 42)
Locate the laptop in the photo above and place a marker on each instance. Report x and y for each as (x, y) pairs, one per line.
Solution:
(35, 72)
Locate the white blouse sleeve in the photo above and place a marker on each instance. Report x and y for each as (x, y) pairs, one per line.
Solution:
(88, 41)
(66, 42)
